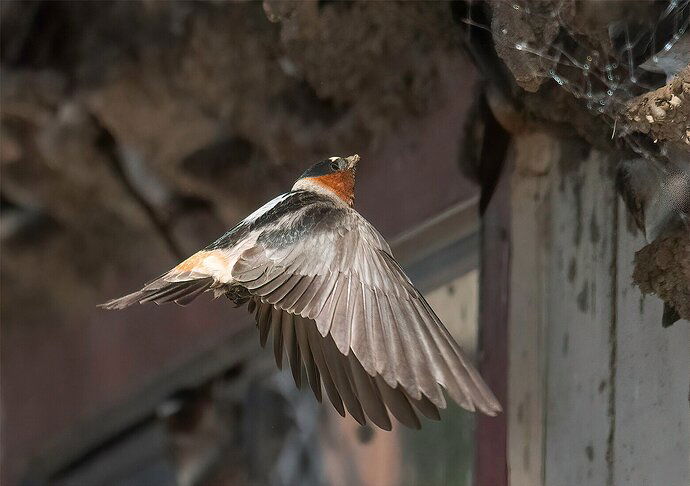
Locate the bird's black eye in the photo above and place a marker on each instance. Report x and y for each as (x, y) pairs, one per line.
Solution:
(335, 166)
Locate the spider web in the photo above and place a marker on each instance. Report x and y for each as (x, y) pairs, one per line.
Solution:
(604, 71)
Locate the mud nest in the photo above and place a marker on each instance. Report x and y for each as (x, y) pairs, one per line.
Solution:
(663, 268)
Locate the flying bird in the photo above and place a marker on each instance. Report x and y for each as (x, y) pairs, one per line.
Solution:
(322, 281)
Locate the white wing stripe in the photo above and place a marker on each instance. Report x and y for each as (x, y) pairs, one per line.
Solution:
(265, 208)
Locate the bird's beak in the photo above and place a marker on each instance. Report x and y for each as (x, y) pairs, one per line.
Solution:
(352, 161)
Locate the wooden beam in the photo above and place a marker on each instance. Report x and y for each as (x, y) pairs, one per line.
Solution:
(491, 467)
(534, 154)
(581, 319)
(651, 444)
(597, 388)
(442, 248)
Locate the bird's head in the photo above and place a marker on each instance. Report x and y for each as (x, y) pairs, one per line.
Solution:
(334, 176)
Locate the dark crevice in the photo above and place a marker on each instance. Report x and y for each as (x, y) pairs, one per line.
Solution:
(613, 353)
(108, 145)
(6, 204)
(479, 46)
(214, 161)
(181, 204)
(301, 100)
(22, 224)
(486, 166)
(16, 31)
(343, 4)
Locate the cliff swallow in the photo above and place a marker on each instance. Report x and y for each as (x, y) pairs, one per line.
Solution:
(322, 281)
(659, 200)
(658, 197)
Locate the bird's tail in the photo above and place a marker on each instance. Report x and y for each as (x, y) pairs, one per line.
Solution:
(161, 291)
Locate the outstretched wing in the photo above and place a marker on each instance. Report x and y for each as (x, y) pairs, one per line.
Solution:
(331, 294)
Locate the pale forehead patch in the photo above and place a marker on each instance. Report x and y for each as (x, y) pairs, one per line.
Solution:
(333, 159)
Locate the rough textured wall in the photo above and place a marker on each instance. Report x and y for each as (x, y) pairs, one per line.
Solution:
(149, 111)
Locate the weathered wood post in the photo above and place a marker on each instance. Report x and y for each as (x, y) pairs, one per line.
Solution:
(597, 390)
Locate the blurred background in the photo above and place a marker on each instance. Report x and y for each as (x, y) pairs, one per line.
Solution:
(135, 132)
